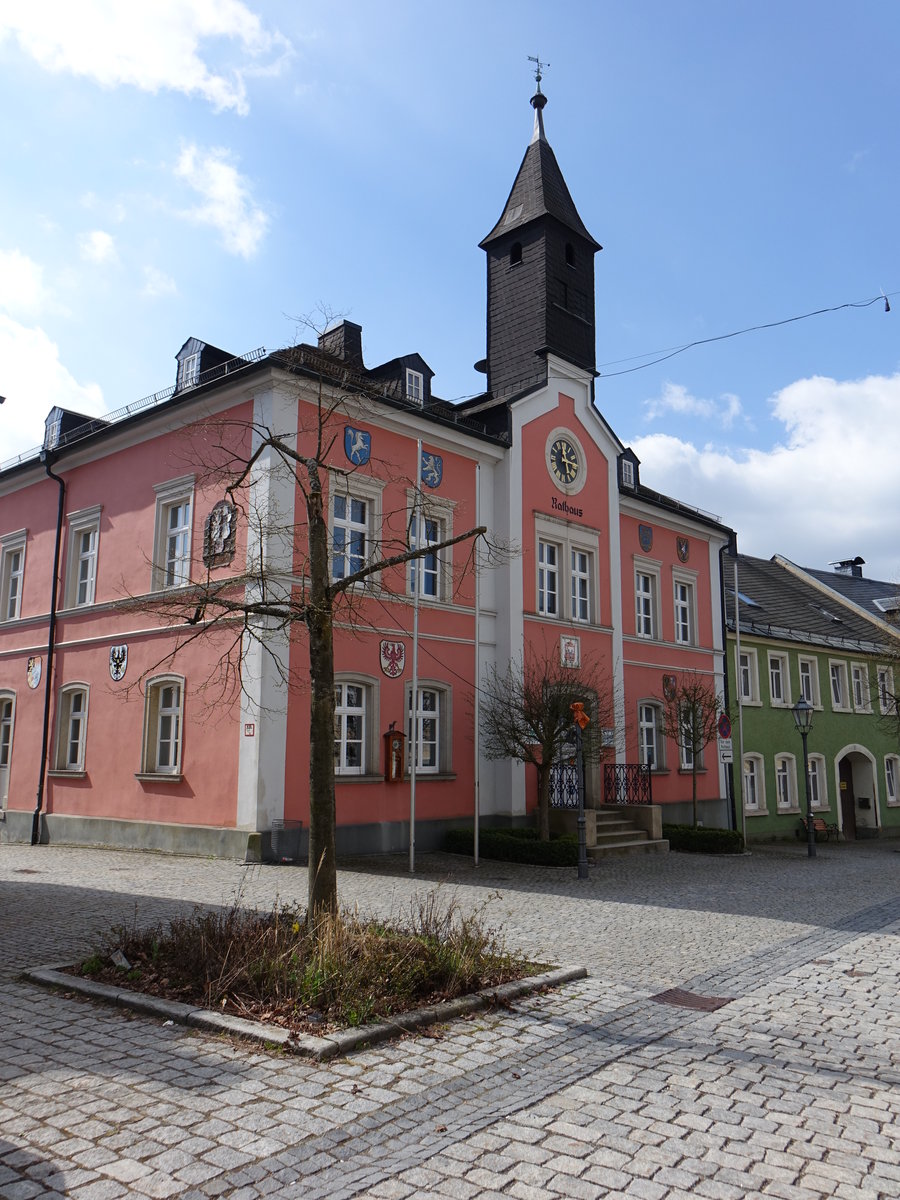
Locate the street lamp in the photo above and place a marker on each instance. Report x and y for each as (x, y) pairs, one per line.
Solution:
(802, 713)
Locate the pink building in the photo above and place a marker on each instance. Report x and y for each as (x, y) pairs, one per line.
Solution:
(117, 723)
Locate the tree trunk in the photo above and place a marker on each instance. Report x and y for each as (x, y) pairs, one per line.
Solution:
(694, 788)
(544, 801)
(322, 865)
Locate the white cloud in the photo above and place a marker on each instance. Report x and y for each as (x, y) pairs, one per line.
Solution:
(21, 283)
(157, 283)
(149, 44)
(830, 489)
(676, 398)
(98, 247)
(34, 380)
(227, 202)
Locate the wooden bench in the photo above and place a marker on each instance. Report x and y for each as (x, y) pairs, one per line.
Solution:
(828, 829)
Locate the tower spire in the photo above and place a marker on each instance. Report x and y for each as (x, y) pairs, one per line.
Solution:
(538, 100)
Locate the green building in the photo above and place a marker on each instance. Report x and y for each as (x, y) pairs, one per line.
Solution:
(799, 636)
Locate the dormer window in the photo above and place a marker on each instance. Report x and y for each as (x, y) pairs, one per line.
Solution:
(189, 371)
(415, 386)
(515, 254)
(627, 473)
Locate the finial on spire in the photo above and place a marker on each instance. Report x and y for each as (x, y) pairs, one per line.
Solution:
(538, 100)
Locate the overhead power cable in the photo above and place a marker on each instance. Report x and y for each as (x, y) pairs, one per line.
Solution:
(671, 351)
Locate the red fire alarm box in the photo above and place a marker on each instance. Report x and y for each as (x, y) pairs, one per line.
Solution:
(393, 755)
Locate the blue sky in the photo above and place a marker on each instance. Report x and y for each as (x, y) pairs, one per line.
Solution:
(219, 169)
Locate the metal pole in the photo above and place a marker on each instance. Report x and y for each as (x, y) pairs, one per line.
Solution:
(414, 699)
(810, 828)
(477, 696)
(582, 836)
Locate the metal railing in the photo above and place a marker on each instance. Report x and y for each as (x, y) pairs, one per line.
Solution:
(627, 783)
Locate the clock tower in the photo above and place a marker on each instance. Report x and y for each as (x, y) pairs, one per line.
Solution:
(540, 275)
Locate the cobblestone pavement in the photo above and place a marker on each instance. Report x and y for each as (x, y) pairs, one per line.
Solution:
(789, 1090)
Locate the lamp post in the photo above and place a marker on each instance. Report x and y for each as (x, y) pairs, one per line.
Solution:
(802, 713)
(580, 720)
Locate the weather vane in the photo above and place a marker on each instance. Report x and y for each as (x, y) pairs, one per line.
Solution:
(538, 68)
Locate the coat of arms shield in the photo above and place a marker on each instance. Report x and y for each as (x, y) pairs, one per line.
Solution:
(118, 661)
(357, 445)
(645, 537)
(683, 548)
(33, 671)
(432, 469)
(393, 658)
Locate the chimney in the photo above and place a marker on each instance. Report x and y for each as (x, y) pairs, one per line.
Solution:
(849, 566)
(344, 341)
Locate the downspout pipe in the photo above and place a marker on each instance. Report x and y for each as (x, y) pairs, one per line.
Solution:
(731, 551)
(48, 458)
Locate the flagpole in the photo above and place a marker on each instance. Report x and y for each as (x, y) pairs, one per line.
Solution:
(414, 698)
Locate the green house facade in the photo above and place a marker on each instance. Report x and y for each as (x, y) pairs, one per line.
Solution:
(797, 639)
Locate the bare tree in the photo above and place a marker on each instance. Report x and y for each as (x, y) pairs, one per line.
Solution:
(689, 714)
(526, 714)
(296, 585)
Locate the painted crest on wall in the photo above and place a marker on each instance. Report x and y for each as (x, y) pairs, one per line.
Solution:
(683, 548)
(570, 651)
(118, 662)
(357, 445)
(432, 469)
(670, 686)
(393, 658)
(219, 534)
(34, 670)
(645, 537)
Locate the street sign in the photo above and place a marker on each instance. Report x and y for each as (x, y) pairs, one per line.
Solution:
(726, 750)
(724, 726)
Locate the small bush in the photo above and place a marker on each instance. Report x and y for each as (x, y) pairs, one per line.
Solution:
(703, 841)
(346, 971)
(515, 845)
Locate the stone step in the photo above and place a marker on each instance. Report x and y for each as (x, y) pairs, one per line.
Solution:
(621, 836)
(636, 847)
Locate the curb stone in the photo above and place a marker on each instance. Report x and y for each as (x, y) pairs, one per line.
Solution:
(319, 1048)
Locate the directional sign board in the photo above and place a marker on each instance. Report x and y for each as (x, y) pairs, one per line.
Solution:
(726, 750)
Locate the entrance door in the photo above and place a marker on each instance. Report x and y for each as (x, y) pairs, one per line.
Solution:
(6, 723)
(848, 800)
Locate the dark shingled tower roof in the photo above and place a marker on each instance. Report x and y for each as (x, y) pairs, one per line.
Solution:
(539, 189)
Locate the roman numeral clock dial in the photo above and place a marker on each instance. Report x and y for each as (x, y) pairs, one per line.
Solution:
(564, 462)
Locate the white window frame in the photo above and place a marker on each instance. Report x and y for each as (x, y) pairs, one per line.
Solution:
(155, 715)
(779, 668)
(886, 702)
(818, 782)
(415, 386)
(188, 370)
(685, 608)
(344, 713)
(646, 600)
(811, 694)
(81, 567)
(573, 579)
(649, 734)
(837, 670)
(752, 674)
(754, 768)
(892, 779)
(859, 682)
(548, 578)
(368, 490)
(71, 729)
(627, 473)
(438, 760)
(685, 754)
(440, 571)
(7, 731)
(786, 781)
(173, 570)
(12, 574)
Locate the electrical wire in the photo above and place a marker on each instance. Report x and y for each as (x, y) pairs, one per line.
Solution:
(671, 351)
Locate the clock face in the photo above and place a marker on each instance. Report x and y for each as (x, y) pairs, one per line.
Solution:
(564, 461)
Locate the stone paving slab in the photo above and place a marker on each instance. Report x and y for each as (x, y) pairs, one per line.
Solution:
(791, 1089)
